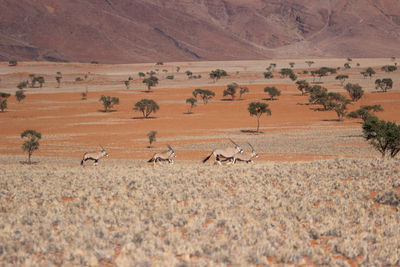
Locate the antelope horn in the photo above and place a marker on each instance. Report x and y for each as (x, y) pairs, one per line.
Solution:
(170, 148)
(233, 142)
(252, 148)
(101, 147)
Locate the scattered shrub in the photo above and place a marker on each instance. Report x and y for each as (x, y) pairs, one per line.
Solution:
(146, 106)
(109, 102)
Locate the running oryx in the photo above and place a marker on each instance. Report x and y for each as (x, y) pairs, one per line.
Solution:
(94, 156)
(245, 156)
(164, 156)
(226, 153)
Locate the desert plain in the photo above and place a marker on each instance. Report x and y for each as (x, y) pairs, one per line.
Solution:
(318, 194)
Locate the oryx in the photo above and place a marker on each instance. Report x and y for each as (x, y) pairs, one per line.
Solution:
(95, 156)
(245, 156)
(164, 156)
(226, 153)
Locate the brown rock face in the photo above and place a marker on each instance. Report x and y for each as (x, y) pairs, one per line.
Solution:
(129, 31)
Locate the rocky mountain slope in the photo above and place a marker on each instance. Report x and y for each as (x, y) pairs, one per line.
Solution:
(129, 31)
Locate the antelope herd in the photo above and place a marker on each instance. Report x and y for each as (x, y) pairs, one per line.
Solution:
(231, 154)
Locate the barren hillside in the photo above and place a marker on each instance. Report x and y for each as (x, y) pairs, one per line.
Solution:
(123, 31)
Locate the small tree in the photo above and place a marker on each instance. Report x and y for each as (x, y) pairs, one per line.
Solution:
(271, 67)
(355, 91)
(285, 72)
(309, 63)
(258, 109)
(192, 103)
(384, 84)
(293, 76)
(109, 102)
(291, 64)
(303, 86)
(217, 74)
(370, 71)
(12, 63)
(206, 95)
(346, 66)
(22, 85)
(150, 82)
(146, 106)
(268, 75)
(324, 71)
(3, 101)
(33, 80)
(364, 112)
(31, 143)
(19, 95)
(189, 73)
(389, 68)
(84, 94)
(243, 90)
(272, 91)
(231, 90)
(141, 74)
(127, 84)
(319, 96)
(40, 80)
(342, 78)
(384, 136)
(58, 79)
(152, 137)
(338, 103)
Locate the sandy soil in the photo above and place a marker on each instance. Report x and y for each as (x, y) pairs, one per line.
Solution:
(71, 126)
(318, 194)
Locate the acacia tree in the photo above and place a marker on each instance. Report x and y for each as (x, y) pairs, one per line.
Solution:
(383, 135)
(389, 68)
(272, 91)
(192, 103)
(370, 71)
(152, 137)
(303, 86)
(355, 91)
(206, 95)
(268, 75)
(58, 79)
(146, 106)
(285, 72)
(217, 74)
(22, 85)
(12, 63)
(231, 90)
(258, 109)
(338, 103)
(309, 63)
(127, 84)
(243, 90)
(384, 84)
(31, 143)
(19, 95)
(3, 101)
(109, 102)
(342, 78)
(364, 112)
(150, 82)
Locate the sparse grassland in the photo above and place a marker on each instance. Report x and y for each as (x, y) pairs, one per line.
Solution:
(124, 212)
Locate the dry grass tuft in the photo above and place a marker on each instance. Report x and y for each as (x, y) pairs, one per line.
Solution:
(123, 213)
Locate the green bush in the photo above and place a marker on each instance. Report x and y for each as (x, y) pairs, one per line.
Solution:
(382, 135)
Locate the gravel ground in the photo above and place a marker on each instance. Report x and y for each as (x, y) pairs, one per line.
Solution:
(334, 212)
